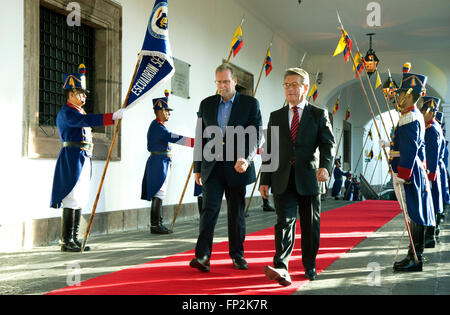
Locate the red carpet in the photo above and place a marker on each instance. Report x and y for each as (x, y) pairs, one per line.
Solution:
(341, 230)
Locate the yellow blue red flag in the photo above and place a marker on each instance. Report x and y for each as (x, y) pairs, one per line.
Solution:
(358, 64)
(344, 45)
(314, 93)
(268, 64)
(336, 106)
(238, 41)
(347, 113)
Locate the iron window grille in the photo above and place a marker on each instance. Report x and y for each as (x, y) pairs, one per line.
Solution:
(62, 49)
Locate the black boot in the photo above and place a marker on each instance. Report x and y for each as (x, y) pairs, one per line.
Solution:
(200, 204)
(67, 244)
(76, 228)
(409, 264)
(156, 220)
(266, 206)
(430, 241)
(439, 219)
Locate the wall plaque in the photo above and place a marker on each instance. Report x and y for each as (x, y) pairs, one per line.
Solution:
(180, 80)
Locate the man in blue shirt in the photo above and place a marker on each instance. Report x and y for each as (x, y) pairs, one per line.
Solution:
(219, 171)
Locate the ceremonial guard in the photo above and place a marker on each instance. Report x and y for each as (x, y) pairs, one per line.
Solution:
(348, 185)
(434, 141)
(356, 188)
(157, 170)
(407, 158)
(73, 168)
(444, 172)
(338, 175)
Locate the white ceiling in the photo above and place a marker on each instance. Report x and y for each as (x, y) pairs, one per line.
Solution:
(312, 26)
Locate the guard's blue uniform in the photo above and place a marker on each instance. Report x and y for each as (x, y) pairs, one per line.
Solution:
(407, 159)
(444, 159)
(434, 155)
(356, 189)
(72, 126)
(157, 167)
(338, 179)
(348, 195)
(444, 175)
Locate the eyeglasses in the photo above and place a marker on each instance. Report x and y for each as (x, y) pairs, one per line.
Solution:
(295, 85)
(224, 82)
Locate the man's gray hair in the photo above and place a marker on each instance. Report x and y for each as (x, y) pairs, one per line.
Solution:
(224, 67)
(297, 71)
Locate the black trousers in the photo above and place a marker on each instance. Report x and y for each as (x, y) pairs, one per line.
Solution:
(308, 207)
(213, 191)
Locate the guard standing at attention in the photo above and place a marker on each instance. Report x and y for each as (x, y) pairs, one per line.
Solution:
(337, 174)
(407, 158)
(72, 177)
(157, 170)
(444, 172)
(435, 164)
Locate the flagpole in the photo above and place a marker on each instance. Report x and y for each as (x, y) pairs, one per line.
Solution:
(315, 81)
(362, 150)
(375, 168)
(387, 103)
(116, 133)
(371, 150)
(402, 205)
(254, 93)
(192, 165)
(373, 95)
(334, 164)
(262, 69)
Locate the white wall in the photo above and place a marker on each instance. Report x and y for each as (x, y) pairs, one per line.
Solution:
(200, 34)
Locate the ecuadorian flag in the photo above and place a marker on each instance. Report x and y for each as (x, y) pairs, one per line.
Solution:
(344, 45)
(268, 65)
(336, 106)
(237, 42)
(314, 92)
(347, 114)
(358, 66)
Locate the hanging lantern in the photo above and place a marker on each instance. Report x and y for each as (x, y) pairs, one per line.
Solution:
(371, 59)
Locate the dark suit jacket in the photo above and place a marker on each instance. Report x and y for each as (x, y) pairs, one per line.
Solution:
(245, 112)
(313, 149)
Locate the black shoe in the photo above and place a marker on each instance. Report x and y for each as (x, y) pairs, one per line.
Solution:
(201, 264)
(70, 247)
(267, 207)
(408, 264)
(431, 243)
(311, 274)
(280, 275)
(160, 229)
(240, 263)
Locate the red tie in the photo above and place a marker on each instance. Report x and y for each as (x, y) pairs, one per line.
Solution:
(294, 123)
(294, 128)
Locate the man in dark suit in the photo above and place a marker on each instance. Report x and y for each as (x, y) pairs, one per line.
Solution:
(306, 152)
(223, 163)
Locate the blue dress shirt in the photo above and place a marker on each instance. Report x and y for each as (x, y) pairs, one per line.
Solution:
(223, 113)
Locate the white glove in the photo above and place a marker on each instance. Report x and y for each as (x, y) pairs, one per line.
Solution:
(119, 114)
(397, 179)
(383, 143)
